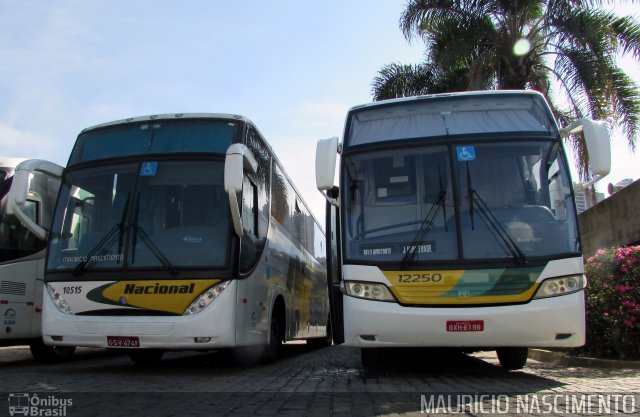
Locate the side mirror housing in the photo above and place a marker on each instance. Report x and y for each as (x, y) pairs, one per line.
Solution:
(597, 139)
(19, 191)
(326, 151)
(239, 160)
(596, 136)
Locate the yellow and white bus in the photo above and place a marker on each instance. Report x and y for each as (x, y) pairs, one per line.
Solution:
(182, 231)
(22, 255)
(454, 225)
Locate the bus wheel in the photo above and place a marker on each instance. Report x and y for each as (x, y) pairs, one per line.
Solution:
(275, 342)
(370, 356)
(512, 358)
(49, 354)
(145, 357)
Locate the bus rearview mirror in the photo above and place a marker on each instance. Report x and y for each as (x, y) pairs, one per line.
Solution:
(20, 191)
(239, 160)
(596, 137)
(326, 151)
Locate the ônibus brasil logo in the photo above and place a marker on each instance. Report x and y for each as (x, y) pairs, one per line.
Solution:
(33, 405)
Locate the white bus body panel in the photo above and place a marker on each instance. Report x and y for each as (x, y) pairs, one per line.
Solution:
(217, 321)
(21, 293)
(534, 324)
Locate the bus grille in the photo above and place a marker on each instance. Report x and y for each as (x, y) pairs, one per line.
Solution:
(13, 288)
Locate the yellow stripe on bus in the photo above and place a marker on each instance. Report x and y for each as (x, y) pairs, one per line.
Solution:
(171, 296)
(439, 288)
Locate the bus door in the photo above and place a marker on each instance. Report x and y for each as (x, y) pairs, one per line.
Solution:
(334, 272)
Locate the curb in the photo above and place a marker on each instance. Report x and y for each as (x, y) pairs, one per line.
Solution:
(561, 359)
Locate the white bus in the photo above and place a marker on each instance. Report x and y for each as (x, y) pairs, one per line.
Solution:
(182, 231)
(454, 225)
(22, 256)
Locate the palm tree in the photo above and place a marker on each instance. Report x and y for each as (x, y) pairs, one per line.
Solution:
(569, 46)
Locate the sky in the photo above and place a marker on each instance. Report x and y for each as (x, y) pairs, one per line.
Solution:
(294, 68)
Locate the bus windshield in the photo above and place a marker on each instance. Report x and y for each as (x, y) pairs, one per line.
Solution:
(152, 137)
(476, 200)
(152, 214)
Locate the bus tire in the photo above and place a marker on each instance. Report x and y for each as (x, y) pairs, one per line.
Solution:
(370, 356)
(49, 354)
(145, 357)
(512, 358)
(272, 349)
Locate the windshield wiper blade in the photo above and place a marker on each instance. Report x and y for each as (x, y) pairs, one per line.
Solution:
(425, 227)
(153, 248)
(493, 224)
(489, 219)
(103, 244)
(106, 242)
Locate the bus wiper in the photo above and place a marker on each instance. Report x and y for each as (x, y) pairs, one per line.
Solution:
(502, 236)
(426, 225)
(489, 219)
(153, 248)
(106, 242)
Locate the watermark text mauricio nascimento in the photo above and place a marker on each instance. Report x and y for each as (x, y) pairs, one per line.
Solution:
(552, 404)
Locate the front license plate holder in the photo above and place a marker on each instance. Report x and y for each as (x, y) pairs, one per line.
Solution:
(123, 341)
(465, 326)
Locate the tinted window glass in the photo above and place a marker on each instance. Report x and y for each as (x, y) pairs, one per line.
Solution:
(162, 136)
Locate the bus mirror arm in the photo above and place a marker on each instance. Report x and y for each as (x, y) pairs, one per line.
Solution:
(332, 195)
(20, 191)
(239, 160)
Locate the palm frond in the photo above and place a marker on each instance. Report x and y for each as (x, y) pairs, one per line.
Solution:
(398, 80)
(627, 32)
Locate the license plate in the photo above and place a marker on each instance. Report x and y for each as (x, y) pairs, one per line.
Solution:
(123, 341)
(465, 325)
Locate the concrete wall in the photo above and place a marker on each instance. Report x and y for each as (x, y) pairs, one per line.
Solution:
(614, 221)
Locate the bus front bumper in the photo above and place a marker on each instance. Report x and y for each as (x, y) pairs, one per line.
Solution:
(550, 322)
(212, 328)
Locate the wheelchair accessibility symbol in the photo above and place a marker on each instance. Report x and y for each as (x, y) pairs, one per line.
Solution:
(148, 169)
(466, 153)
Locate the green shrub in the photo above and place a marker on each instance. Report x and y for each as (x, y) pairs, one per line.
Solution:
(613, 303)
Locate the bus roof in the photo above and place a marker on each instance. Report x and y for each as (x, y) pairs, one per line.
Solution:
(170, 116)
(475, 93)
(494, 112)
(10, 162)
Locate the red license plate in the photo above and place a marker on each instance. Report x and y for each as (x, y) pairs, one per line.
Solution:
(465, 325)
(123, 341)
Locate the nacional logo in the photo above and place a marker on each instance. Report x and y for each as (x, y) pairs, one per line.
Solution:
(159, 289)
(170, 296)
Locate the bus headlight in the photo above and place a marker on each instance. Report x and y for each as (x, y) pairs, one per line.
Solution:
(368, 291)
(57, 299)
(560, 286)
(205, 298)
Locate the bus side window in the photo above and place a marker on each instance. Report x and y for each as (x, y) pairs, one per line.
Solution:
(249, 244)
(249, 207)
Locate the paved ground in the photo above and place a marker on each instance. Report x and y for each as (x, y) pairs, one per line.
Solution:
(306, 381)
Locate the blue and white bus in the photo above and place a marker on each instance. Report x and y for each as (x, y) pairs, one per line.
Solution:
(454, 225)
(182, 231)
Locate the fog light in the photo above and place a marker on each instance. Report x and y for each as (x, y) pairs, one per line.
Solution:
(202, 339)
